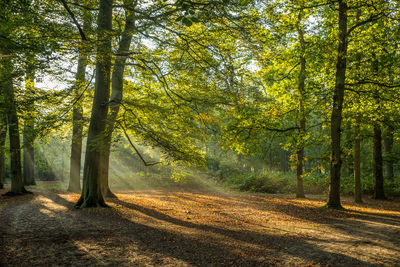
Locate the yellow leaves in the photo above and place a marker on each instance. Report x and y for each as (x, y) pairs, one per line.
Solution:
(275, 112)
(206, 118)
(179, 175)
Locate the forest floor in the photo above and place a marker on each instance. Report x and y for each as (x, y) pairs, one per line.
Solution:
(173, 228)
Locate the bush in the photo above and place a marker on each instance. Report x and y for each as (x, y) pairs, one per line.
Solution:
(273, 182)
(262, 182)
(316, 183)
(392, 188)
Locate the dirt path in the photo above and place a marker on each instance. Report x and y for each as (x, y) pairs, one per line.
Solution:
(157, 228)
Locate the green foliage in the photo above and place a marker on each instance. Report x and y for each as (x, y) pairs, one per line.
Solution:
(392, 188)
(275, 182)
(263, 182)
(216, 83)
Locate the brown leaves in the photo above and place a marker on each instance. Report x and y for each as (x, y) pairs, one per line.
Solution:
(247, 229)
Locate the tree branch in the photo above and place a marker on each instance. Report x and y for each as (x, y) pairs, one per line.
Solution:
(74, 20)
(134, 147)
(370, 19)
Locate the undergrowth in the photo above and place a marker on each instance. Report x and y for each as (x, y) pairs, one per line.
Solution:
(276, 182)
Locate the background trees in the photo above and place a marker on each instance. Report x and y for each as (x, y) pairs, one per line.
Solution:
(283, 85)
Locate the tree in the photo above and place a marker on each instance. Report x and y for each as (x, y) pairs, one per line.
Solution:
(378, 163)
(91, 192)
(28, 168)
(388, 141)
(80, 85)
(6, 84)
(357, 161)
(117, 83)
(337, 106)
(302, 115)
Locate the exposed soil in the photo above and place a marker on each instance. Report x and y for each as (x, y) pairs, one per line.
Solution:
(164, 228)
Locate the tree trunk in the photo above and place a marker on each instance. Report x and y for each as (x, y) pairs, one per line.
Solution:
(388, 146)
(77, 127)
(357, 162)
(92, 192)
(336, 118)
(17, 185)
(283, 161)
(74, 184)
(302, 130)
(378, 164)
(28, 155)
(116, 97)
(28, 167)
(3, 135)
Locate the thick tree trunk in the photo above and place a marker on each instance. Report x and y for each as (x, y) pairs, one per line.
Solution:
(388, 146)
(302, 116)
(92, 192)
(17, 185)
(74, 184)
(28, 167)
(378, 164)
(3, 135)
(336, 118)
(116, 97)
(357, 162)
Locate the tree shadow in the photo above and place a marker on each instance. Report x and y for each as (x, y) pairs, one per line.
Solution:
(282, 244)
(109, 234)
(375, 227)
(359, 227)
(35, 236)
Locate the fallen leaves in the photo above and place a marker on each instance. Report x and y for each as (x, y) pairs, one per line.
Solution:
(181, 228)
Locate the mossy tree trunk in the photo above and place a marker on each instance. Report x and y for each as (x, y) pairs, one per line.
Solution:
(92, 191)
(337, 107)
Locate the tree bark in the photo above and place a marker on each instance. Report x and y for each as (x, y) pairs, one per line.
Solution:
(17, 185)
(336, 117)
(116, 97)
(357, 162)
(28, 155)
(74, 184)
(77, 127)
(302, 130)
(378, 163)
(388, 146)
(28, 167)
(92, 192)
